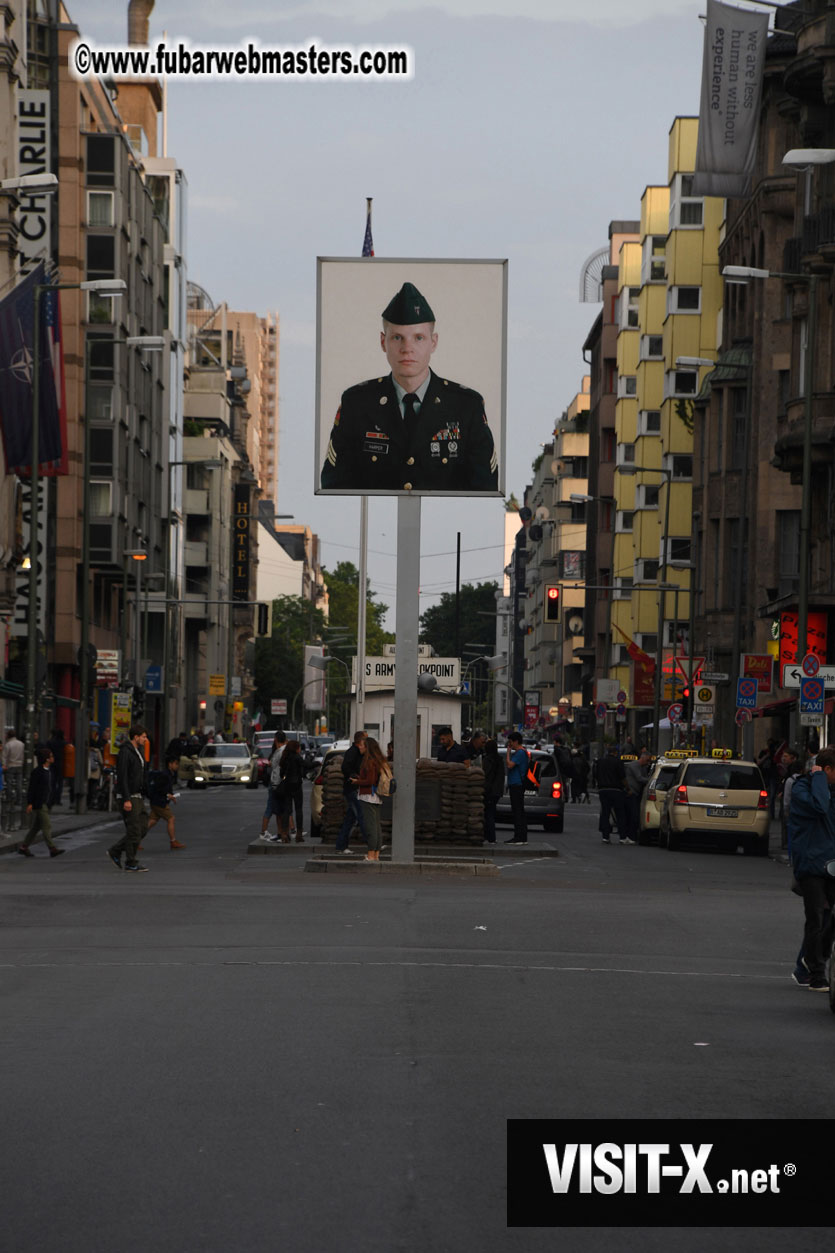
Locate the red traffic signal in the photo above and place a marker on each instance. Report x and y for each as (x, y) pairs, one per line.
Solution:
(552, 602)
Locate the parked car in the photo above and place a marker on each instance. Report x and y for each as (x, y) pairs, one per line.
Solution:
(337, 750)
(720, 802)
(546, 805)
(661, 775)
(224, 763)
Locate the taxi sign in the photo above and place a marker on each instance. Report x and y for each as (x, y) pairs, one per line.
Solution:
(721, 752)
(678, 754)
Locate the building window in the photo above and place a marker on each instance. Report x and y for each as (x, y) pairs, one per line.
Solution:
(625, 454)
(101, 500)
(629, 308)
(678, 551)
(649, 422)
(646, 495)
(101, 451)
(578, 511)
(625, 520)
(101, 254)
(101, 160)
(681, 383)
(788, 549)
(100, 208)
(738, 425)
(680, 465)
(685, 208)
(801, 363)
(623, 589)
(684, 300)
(646, 570)
(627, 385)
(100, 359)
(100, 402)
(654, 260)
(652, 347)
(648, 641)
(99, 307)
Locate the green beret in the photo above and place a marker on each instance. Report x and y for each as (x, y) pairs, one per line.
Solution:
(408, 307)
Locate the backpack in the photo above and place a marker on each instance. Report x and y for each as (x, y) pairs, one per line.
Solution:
(386, 784)
(530, 777)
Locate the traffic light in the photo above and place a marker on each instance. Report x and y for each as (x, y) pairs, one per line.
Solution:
(552, 602)
(686, 704)
(264, 620)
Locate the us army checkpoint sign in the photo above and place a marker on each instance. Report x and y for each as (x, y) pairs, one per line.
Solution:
(458, 433)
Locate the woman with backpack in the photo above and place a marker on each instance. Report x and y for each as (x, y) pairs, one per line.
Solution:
(374, 770)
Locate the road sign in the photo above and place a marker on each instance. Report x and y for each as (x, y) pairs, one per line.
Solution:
(811, 696)
(715, 676)
(742, 716)
(674, 712)
(811, 720)
(606, 689)
(810, 665)
(217, 684)
(793, 675)
(600, 711)
(746, 693)
(685, 667)
(623, 697)
(278, 707)
(153, 679)
(705, 694)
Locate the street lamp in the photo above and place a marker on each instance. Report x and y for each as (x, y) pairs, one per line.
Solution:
(662, 595)
(115, 287)
(149, 343)
(743, 271)
(30, 182)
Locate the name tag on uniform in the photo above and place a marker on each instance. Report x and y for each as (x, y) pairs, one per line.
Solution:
(375, 446)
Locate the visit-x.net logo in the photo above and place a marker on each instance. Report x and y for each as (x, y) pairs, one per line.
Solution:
(662, 1173)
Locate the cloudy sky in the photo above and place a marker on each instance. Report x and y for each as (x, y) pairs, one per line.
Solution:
(527, 128)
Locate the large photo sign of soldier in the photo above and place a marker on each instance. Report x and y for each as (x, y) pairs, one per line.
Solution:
(411, 377)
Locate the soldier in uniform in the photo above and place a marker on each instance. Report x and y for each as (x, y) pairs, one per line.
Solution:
(410, 430)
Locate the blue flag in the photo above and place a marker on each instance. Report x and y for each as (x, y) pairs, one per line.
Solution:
(17, 320)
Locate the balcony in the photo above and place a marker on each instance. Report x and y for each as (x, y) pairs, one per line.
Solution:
(788, 450)
(197, 501)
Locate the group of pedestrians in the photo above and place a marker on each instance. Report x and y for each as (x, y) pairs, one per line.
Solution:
(366, 778)
(284, 792)
(620, 785)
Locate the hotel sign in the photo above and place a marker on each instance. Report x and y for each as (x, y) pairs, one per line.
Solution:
(241, 523)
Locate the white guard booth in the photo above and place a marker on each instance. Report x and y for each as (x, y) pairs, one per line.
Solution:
(435, 710)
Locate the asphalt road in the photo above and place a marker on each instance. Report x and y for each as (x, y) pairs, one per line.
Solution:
(229, 1054)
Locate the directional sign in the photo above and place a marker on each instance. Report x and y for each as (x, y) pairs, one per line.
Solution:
(811, 720)
(810, 665)
(674, 712)
(746, 693)
(153, 679)
(793, 676)
(715, 676)
(811, 696)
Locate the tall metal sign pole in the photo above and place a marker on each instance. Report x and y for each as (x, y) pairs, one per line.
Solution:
(405, 677)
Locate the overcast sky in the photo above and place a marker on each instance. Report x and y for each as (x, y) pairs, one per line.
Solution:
(528, 126)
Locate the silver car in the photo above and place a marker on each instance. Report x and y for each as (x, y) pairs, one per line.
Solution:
(545, 804)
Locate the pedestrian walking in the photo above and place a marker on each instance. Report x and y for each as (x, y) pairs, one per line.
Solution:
(611, 784)
(517, 762)
(37, 805)
(374, 767)
(162, 785)
(581, 776)
(131, 772)
(351, 763)
(56, 745)
(13, 751)
(494, 781)
(812, 844)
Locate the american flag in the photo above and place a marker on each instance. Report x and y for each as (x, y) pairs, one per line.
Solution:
(368, 242)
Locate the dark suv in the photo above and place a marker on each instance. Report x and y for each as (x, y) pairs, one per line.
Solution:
(547, 803)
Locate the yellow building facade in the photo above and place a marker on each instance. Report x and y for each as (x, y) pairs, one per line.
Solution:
(670, 296)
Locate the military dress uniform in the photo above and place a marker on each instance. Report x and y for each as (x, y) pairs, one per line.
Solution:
(447, 446)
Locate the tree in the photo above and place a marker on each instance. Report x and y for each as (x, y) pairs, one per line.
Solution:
(279, 660)
(476, 635)
(341, 631)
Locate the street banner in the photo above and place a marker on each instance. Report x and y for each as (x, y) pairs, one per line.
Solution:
(732, 73)
(120, 717)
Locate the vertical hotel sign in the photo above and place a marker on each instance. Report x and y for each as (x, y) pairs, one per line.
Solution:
(240, 543)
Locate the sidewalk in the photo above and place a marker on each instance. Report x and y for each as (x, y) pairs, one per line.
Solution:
(64, 822)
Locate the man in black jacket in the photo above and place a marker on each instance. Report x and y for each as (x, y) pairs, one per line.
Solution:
(37, 805)
(611, 784)
(351, 764)
(131, 772)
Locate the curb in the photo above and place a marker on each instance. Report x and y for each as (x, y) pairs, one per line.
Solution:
(341, 865)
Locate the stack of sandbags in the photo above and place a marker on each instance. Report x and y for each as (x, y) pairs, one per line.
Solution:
(461, 818)
(333, 801)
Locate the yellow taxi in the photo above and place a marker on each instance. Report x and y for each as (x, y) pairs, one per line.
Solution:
(719, 801)
(662, 772)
